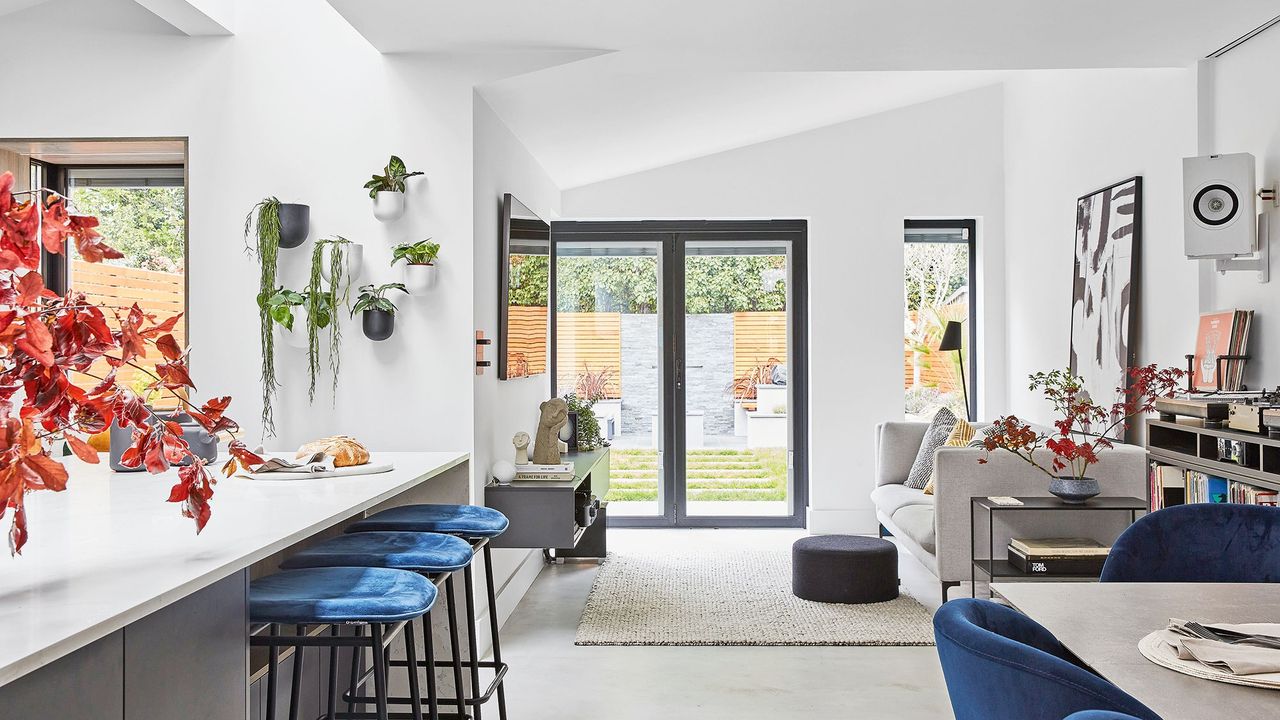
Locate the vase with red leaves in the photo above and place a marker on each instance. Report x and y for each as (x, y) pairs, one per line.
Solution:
(1084, 429)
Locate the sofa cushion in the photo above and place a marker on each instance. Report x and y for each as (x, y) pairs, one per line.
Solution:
(916, 522)
(960, 436)
(939, 429)
(890, 498)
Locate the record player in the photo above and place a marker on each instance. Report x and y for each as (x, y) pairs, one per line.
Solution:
(1247, 415)
(1212, 411)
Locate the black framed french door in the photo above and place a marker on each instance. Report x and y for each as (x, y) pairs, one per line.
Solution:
(693, 334)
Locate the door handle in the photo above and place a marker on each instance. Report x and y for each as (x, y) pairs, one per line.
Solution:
(679, 374)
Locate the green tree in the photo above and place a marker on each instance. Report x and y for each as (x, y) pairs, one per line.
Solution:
(146, 224)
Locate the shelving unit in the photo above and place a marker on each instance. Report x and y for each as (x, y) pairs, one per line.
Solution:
(1197, 448)
(543, 514)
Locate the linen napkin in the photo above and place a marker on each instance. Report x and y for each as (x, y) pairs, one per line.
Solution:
(314, 463)
(1234, 658)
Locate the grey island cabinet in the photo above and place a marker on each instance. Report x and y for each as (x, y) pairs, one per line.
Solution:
(118, 610)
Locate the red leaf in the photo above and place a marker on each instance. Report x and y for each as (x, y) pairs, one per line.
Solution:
(174, 375)
(178, 492)
(246, 456)
(37, 342)
(163, 327)
(82, 449)
(31, 288)
(168, 347)
(18, 532)
(51, 473)
(229, 468)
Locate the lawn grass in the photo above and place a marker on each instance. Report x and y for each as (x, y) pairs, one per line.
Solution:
(714, 474)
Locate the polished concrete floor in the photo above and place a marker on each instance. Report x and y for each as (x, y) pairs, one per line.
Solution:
(550, 677)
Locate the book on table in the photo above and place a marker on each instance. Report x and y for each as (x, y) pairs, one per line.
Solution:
(1057, 556)
(530, 472)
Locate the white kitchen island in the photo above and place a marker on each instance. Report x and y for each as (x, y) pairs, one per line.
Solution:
(116, 597)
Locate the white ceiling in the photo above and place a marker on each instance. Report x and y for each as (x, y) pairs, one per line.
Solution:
(823, 34)
(673, 80)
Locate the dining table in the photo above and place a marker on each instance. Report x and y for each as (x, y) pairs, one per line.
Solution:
(1101, 623)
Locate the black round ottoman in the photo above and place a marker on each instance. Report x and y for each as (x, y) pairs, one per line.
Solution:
(844, 569)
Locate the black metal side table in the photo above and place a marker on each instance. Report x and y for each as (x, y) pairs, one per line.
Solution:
(995, 568)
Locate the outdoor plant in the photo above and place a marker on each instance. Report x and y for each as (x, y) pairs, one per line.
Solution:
(423, 252)
(744, 388)
(374, 298)
(48, 342)
(593, 386)
(1084, 428)
(392, 178)
(589, 437)
(322, 308)
(262, 240)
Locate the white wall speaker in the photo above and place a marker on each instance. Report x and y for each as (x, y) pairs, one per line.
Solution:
(1219, 205)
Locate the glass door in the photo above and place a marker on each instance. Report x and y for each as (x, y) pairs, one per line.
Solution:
(686, 339)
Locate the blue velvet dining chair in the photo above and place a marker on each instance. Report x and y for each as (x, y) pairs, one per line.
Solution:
(1099, 715)
(1201, 542)
(1001, 665)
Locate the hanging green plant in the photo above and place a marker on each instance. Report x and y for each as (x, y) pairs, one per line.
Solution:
(322, 306)
(262, 240)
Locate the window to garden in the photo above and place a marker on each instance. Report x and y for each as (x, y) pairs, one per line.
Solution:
(938, 285)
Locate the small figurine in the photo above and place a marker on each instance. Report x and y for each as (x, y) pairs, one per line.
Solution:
(521, 441)
(546, 446)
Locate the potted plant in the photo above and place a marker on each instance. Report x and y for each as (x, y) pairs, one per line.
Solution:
(1084, 429)
(379, 313)
(338, 266)
(280, 305)
(387, 190)
(587, 425)
(264, 236)
(419, 263)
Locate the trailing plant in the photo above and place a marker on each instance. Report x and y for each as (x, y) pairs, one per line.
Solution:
(263, 221)
(322, 308)
(284, 301)
(374, 298)
(423, 252)
(593, 385)
(392, 178)
(588, 425)
(48, 345)
(744, 388)
(1083, 429)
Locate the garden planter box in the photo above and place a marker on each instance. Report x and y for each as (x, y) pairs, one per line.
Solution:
(606, 410)
(766, 430)
(769, 397)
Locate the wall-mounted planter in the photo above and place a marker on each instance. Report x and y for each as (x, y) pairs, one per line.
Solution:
(295, 338)
(295, 224)
(388, 205)
(352, 259)
(419, 278)
(378, 324)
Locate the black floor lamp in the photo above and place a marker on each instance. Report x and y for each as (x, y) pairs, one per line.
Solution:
(953, 340)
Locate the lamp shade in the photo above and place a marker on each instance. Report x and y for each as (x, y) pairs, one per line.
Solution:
(952, 336)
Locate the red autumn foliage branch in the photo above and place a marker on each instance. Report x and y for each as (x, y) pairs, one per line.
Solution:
(46, 339)
(1081, 432)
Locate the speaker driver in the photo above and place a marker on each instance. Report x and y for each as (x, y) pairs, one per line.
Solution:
(1216, 205)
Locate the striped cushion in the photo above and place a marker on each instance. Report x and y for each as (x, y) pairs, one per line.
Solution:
(939, 429)
(960, 436)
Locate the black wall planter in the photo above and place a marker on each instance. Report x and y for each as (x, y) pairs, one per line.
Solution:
(378, 324)
(295, 224)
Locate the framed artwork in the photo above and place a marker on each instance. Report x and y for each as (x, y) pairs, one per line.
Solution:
(1104, 289)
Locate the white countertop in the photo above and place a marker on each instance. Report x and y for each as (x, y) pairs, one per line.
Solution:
(109, 550)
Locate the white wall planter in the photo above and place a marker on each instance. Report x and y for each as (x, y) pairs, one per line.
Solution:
(296, 338)
(388, 205)
(419, 278)
(769, 397)
(740, 416)
(766, 430)
(352, 260)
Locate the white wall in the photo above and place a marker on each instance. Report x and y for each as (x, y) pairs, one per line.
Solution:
(307, 116)
(1242, 108)
(1068, 133)
(503, 165)
(855, 182)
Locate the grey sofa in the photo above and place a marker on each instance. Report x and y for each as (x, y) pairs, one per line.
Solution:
(936, 528)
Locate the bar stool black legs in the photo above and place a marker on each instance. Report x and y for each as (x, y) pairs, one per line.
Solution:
(493, 631)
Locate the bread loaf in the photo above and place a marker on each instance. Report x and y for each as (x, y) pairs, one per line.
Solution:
(345, 451)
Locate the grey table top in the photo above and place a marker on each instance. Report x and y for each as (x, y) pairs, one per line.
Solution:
(1102, 623)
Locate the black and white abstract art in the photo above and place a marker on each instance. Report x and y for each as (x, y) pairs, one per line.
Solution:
(1104, 289)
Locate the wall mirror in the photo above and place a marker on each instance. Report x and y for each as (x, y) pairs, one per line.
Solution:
(524, 287)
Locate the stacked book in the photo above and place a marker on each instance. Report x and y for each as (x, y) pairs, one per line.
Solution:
(1168, 486)
(1058, 556)
(1251, 495)
(544, 473)
(1225, 332)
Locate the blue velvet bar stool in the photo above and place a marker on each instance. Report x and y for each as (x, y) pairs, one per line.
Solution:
(478, 526)
(379, 600)
(433, 555)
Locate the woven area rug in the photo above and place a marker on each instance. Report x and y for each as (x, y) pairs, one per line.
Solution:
(732, 598)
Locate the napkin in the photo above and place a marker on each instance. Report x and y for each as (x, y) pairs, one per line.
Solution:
(314, 463)
(1237, 658)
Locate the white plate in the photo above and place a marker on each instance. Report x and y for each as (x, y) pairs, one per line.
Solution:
(366, 469)
(1154, 648)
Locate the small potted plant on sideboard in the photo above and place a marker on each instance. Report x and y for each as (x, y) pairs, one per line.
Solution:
(419, 263)
(378, 313)
(387, 189)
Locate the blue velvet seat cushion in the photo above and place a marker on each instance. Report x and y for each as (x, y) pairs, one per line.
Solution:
(465, 520)
(1002, 665)
(339, 595)
(420, 552)
(1201, 542)
(1099, 715)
